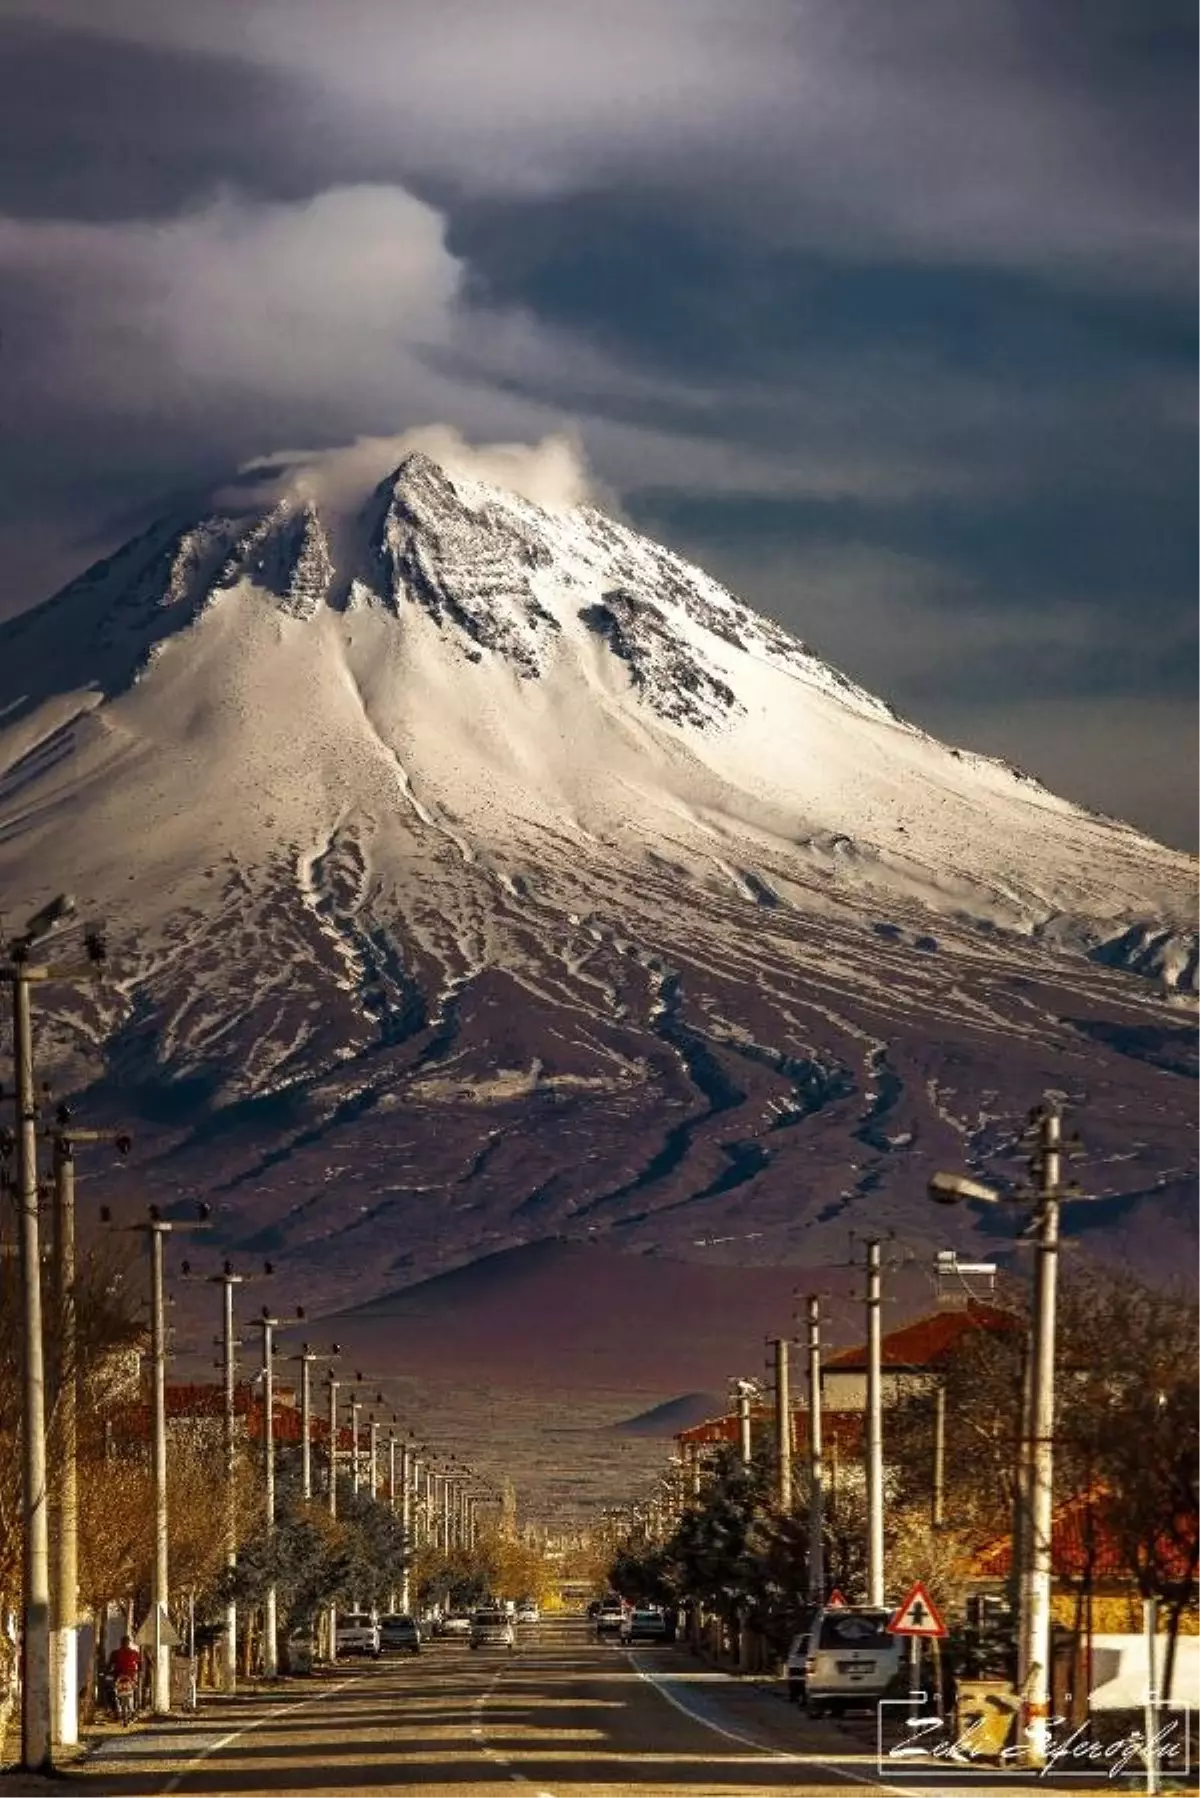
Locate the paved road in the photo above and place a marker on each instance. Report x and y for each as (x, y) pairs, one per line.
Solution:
(564, 1717)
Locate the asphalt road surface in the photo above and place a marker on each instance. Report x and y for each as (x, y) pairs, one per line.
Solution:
(563, 1717)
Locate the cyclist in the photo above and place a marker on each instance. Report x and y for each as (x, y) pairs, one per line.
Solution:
(125, 1671)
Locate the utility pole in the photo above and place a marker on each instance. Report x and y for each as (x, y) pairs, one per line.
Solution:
(415, 1490)
(1036, 1466)
(229, 1348)
(744, 1389)
(355, 1408)
(406, 1473)
(372, 1456)
(333, 1460)
(816, 1463)
(65, 1567)
(447, 1543)
(65, 1657)
(268, 1325)
(306, 1359)
(783, 1423)
(1035, 1599)
(874, 1428)
(155, 1230)
(36, 1684)
(160, 1665)
(937, 1514)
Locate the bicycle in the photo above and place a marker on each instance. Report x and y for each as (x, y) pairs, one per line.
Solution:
(125, 1698)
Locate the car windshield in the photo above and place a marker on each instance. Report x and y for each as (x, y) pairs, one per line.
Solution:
(855, 1629)
(354, 1622)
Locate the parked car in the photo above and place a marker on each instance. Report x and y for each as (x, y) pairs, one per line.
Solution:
(458, 1623)
(357, 1633)
(851, 1658)
(646, 1623)
(528, 1612)
(400, 1633)
(795, 1664)
(609, 1617)
(492, 1629)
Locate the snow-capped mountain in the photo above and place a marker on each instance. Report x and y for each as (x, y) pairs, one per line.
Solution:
(476, 872)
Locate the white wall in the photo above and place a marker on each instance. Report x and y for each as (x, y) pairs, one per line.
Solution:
(1119, 1671)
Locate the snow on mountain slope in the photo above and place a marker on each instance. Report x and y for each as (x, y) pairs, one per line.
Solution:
(528, 671)
(458, 809)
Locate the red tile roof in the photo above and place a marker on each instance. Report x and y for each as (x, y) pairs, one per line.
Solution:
(198, 1400)
(843, 1428)
(927, 1341)
(1078, 1526)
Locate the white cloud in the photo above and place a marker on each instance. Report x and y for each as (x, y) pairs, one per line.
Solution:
(238, 297)
(552, 473)
(943, 131)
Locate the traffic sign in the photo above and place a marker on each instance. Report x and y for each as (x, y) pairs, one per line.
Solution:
(166, 1634)
(917, 1616)
(835, 1601)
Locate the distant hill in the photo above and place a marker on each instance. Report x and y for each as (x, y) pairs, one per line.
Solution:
(673, 1415)
(560, 1312)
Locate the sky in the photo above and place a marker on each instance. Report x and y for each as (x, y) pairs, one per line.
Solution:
(885, 315)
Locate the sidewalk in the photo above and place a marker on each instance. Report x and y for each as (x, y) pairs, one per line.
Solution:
(181, 1734)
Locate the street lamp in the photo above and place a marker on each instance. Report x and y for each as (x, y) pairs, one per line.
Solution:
(1034, 1671)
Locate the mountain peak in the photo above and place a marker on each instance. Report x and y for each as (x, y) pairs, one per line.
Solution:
(483, 872)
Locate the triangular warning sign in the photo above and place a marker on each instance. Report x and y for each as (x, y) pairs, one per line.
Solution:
(166, 1633)
(835, 1601)
(917, 1616)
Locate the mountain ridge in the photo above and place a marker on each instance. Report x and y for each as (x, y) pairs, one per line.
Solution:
(479, 873)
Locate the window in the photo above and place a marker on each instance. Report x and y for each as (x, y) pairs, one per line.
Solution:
(855, 1629)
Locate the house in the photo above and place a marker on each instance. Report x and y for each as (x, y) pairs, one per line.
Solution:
(911, 1357)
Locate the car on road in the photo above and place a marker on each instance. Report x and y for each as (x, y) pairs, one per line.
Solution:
(457, 1623)
(528, 1612)
(610, 1617)
(357, 1632)
(400, 1634)
(492, 1629)
(851, 1659)
(795, 1664)
(645, 1623)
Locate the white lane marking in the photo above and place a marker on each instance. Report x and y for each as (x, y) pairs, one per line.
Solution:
(780, 1754)
(197, 1760)
(496, 1754)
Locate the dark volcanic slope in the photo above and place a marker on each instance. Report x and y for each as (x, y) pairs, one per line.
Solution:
(478, 876)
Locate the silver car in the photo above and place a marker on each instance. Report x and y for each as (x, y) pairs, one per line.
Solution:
(492, 1629)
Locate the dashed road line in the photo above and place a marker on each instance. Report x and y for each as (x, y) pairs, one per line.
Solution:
(197, 1760)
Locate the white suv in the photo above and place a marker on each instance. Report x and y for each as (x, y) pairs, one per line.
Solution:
(357, 1633)
(851, 1658)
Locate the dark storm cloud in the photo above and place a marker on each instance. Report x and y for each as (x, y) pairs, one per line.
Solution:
(884, 311)
(94, 130)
